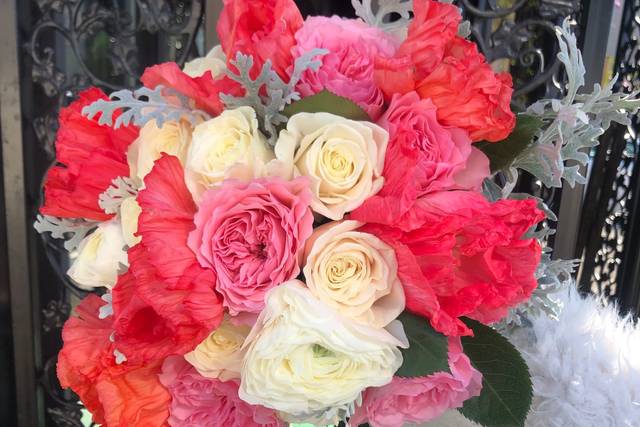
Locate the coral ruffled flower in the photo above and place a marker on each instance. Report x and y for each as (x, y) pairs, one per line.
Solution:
(449, 70)
(165, 304)
(460, 255)
(116, 395)
(264, 29)
(348, 68)
(92, 155)
(421, 399)
(197, 401)
(252, 235)
(422, 157)
(204, 90)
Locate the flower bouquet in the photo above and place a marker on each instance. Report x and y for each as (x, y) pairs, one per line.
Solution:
(306, 226)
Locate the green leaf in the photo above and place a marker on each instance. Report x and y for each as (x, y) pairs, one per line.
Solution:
(427, 352)
(506, 384)
(502, 154)
(327, 102)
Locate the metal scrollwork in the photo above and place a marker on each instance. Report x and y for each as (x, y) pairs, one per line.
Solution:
(610, 250)
(74, 44)
(521, 35)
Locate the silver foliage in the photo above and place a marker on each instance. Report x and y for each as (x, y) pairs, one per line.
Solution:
(142, 106)
(267, 94)
(571, 125)
(553, 275)
(71, 230)
(381, 17)
(121, 188)
(399, 10)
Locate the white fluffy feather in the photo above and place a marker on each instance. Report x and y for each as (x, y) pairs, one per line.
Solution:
(585, 367)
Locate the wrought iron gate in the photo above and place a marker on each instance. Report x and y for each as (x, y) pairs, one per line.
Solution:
(51, 49)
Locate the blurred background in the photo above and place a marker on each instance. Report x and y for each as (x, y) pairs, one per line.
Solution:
(52, 49)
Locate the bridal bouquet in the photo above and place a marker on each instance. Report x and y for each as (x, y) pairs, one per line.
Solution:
(306, 226)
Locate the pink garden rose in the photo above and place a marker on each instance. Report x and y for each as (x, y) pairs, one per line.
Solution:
(423, 157)
(421, 399)
(197, 401)
(348, 67)
(252, 235)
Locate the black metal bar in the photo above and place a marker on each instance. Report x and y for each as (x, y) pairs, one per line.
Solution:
(16, 219)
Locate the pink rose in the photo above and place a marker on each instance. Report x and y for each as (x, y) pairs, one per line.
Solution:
(423, 157)
(252, 235)
(421, 399)
(348, 68)
(197, 401)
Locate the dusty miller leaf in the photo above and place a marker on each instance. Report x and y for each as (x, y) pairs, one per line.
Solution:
(267, 94)
(121, 188)
(71, 230)
(572, 125)
(386, 10)
(142, 106)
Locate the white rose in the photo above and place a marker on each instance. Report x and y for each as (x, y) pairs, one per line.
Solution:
(343, 158)
(354, 272)
(172, 138)
(215, 61)
(306, 360)
(227, 146)
(219, 355)
(129, 213)
(97, 260)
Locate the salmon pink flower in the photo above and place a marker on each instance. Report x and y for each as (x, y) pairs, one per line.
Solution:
(116, 395)
(197, 401)
(252, 235)
(450, 71)
(460, 255)
(347, 70)
(421, 399)
(423, 157)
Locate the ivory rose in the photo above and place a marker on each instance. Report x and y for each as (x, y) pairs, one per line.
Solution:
(342, 158)
(354, 272)
(421, 399)
(423, 157)
(99, 257)
(172, 138)
(227, 146)
(219, 355)
(197, 401)
(252, 235)
(347, 68)
(214, 62)
(307, 361)
(129, 213)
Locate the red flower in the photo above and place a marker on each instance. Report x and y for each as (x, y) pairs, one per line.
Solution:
(264, 29)
(116, 395)
(92, 155)
(204, 90)
(165, 304)
(450, 71)
(459, 255)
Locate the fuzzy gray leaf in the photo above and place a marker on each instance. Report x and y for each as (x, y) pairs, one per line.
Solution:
(121, 188)
(142, 106)
(71, 230)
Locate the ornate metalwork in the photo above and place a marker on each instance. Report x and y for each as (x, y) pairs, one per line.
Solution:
(521, 35)
(608, 231)
(74, 44)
